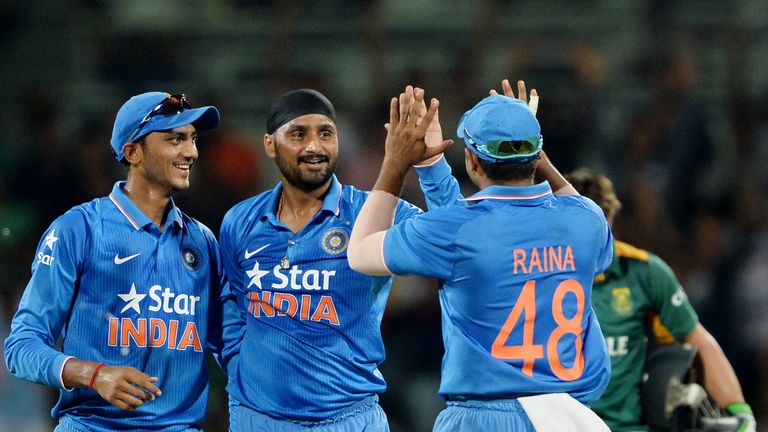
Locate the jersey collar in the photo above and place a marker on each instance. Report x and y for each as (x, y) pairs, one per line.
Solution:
(331, 202)
(533, 193)
(136, 217)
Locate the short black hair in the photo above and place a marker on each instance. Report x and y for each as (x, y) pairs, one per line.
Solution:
(509, 170)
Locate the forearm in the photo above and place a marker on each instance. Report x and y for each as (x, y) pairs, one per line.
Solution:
(367, 240)
(546, 171)
(719, 378)
(78, 373)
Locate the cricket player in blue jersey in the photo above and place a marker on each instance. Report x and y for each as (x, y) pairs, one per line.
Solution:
(523, 348)
(309, 359)
(132, 286)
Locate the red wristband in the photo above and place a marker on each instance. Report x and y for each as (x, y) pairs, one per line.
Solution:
(95, 372)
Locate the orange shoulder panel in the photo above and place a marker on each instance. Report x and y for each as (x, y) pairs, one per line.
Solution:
(626, 250)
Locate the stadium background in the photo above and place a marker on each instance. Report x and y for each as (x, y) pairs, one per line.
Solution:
(669, 97)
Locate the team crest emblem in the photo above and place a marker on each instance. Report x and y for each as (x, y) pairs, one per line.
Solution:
(335, 241)
(190, 257)
(622, 301)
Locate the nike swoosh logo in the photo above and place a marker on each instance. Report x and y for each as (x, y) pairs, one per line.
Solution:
(119, 260)
(248, 255)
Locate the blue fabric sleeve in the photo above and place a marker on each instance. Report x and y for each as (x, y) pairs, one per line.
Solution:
(224, 332)
(233, 319)
(44, 307)
(422, 245)
(439, 186)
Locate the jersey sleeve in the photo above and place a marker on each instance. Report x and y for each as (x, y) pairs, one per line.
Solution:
(45, 304)
(224, 328)
(422, 245)
(233, 294)
(669, 299)
(439, 186)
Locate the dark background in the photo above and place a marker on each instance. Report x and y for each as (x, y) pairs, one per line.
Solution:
(666, 97)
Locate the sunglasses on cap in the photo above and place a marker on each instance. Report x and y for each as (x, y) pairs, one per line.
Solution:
(169, 106)
(505, 149)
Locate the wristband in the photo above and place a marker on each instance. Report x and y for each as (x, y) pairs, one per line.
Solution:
(739, 408)
(95, 372)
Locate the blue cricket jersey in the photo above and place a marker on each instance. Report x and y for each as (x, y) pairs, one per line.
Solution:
(313, 342)
(119, 291)
(517, 269)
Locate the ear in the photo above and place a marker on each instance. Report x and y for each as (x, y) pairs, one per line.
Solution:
(269, 145)
(471, 162)
(133, 152)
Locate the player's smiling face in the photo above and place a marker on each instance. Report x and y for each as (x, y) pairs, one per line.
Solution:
(168, 157)
(306, 150)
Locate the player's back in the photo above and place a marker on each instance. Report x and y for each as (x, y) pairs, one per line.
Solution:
(517, 318)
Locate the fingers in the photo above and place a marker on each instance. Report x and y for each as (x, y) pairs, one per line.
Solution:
(507, 88)
(533, 105)
(148, 386)
(523, 95)
(434, 151)
(417, 102)
(431, 112)
(492, 92)
(406, 100)
(393, 107)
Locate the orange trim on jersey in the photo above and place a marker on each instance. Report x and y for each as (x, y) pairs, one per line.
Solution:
(122, 210)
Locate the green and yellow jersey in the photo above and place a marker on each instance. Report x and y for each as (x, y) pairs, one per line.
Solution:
(637, 296)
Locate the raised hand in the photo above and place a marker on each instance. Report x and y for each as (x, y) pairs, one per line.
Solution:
(533, 104)
(410, 124)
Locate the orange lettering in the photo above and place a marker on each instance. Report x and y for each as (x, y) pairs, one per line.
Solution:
(139, 335)
(190, 338)
(556, 258)
(112, 341)
(569, 258)
(157, 332)
(519, 256)
(281, 298)
(326, 310)
(173, 330)
(306, 301)
(535, 261)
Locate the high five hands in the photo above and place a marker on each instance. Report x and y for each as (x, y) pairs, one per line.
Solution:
(413, 131)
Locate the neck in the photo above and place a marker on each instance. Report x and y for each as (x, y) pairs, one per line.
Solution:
(151, 199)
(296, 207)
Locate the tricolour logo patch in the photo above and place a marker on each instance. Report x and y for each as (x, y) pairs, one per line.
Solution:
(335, 241)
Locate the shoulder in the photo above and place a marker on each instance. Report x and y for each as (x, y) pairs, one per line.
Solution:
(81, 218)
(580, 202)
(250, 208)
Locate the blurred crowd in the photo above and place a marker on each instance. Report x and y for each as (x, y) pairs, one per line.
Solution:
(667, 99)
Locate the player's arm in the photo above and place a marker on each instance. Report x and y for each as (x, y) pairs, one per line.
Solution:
(404, 147)
(719, 378)
(545, 170)
(225, 325)
(677, 315)
(44, 306)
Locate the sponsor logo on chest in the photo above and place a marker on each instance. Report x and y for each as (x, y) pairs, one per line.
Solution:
(177, 332)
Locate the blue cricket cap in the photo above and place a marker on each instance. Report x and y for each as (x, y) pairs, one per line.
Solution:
(501, 129)
(136, 109)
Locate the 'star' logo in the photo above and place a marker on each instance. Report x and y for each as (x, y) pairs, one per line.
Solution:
(49, 241)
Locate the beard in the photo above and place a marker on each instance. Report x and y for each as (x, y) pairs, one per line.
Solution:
(302, 175)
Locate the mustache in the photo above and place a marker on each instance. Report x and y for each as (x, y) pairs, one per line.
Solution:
(319, 157)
